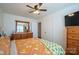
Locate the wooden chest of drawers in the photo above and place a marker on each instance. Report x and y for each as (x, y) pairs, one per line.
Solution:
(73, 40)
(22, 35)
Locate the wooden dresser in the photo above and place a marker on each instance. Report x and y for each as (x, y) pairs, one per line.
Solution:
(73, 40)
(22, 35)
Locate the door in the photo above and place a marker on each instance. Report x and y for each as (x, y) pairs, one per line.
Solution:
(39, 30)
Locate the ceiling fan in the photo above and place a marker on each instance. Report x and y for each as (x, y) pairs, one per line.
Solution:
(36, 8)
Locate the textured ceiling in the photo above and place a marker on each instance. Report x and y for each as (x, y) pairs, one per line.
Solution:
(21, 9)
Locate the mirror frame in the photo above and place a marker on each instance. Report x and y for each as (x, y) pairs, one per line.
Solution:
(22, 22)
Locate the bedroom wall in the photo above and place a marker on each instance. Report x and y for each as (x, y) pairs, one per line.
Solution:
(1, 20)
(9, 23)
(53, 26)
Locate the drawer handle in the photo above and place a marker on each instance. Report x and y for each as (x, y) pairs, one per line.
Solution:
(72, 31)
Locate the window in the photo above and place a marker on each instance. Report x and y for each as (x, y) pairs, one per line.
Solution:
(20, 28)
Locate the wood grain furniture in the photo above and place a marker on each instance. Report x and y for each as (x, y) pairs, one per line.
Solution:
(73, 40)
(4, 45)
(25, 33)
(21, 35)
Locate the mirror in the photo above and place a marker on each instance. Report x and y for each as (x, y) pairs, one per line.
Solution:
(22, 26)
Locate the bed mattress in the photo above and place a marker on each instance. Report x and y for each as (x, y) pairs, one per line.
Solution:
(35, 46)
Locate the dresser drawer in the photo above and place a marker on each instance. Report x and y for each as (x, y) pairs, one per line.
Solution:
(16, 36)
(72, 41)
(73, 36)
(30, 35)
(73, 30)
(71, 46)
(24, 36)
(71, 51)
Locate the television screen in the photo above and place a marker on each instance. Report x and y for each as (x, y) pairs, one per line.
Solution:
(72, 20)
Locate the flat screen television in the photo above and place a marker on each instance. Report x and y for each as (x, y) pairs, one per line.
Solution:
(72, 20)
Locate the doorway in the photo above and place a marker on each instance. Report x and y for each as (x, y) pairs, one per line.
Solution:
(39, 30)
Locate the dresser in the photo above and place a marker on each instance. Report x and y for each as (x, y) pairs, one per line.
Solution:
(21, 35)
(72, 40)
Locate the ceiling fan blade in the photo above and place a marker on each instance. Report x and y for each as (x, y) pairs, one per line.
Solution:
(42, 9)
(38, 13)
(40, 4)
(31, 11)
(36, 7)
(29, 6)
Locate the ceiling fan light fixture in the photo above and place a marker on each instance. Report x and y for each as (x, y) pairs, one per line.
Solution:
(36, 12)
(36, 8)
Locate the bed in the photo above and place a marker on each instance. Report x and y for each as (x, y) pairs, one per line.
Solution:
(4, 45)
(30, 46)
(36, 46)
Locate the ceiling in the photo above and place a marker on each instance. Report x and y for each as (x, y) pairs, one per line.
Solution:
(21, 9)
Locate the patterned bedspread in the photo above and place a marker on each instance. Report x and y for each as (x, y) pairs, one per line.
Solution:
(4, 45)
(36, 46)
(31, 46)
(55, 48)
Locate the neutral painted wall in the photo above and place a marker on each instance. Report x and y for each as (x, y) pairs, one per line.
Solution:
(9, 23)
(1, 20)
(53, 26)
(34, 26)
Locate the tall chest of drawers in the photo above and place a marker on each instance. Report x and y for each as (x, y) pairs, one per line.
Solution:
(73, 40)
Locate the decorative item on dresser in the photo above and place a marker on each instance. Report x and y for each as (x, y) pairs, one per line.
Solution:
(73, 40)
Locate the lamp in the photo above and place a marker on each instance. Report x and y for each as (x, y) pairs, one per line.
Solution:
(36, 12)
